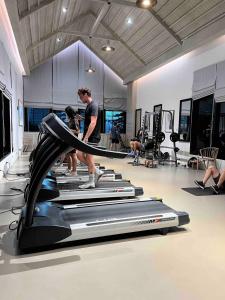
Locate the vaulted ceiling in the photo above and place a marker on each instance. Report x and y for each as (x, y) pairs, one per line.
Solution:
(170, 29)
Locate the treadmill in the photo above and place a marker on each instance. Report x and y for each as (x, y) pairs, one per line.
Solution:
(109, 189)
(46, 223)
(69, 189)
(82, 175)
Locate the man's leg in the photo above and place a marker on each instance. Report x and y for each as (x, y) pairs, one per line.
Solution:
(82, 157)
(88, 159)
(94, 173)
(90, 163)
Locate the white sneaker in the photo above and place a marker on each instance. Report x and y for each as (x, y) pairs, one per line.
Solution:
(98, 174)
(73, 173)
(87, 185)
(68, 172)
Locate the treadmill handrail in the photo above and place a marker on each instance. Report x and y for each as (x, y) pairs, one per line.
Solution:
(61, 131)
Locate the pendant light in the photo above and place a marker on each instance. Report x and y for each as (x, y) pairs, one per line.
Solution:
(146, 3)
(107, 47)
(90, 68)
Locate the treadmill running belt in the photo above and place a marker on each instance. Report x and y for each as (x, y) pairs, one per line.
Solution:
(115, 211)
(99, 185)
(85, 172)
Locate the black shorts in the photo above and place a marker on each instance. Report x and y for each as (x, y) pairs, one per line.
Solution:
(115, 141)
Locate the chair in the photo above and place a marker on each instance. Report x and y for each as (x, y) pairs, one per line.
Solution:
(208, 155)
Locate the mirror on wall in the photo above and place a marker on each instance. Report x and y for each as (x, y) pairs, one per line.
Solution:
(185, 120)
(157, 122)
(137, 120)
(5, 126)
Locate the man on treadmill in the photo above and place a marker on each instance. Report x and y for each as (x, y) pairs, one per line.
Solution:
(92, 127)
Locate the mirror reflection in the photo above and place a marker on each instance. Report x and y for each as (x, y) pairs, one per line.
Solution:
(185, 120)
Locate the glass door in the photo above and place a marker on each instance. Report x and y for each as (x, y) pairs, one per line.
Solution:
(201, 131)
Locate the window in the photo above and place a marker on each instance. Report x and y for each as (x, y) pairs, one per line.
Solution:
(201, 129)
(185, 120)
(5, 126)
(62, 115)
(111, 117)
(219, 129)
(33, 117)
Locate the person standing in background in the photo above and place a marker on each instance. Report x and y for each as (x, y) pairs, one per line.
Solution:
(115, 137)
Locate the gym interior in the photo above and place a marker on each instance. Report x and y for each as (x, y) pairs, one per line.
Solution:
(152, 224)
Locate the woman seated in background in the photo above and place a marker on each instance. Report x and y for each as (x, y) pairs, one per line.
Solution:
(217, 176)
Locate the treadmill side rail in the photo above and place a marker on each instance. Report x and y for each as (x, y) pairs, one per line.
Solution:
(114, 226)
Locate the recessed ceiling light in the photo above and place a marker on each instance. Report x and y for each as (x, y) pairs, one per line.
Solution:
(64, 9)
(129, 21)
(58, 39)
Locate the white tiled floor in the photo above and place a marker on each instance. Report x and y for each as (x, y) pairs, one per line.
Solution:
(186, 265)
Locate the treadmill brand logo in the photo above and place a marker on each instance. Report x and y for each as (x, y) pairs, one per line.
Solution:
(154, 221)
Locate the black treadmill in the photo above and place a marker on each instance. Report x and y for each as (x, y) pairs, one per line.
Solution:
(45, 223)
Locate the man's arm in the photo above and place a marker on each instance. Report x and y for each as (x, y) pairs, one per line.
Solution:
(91, 127)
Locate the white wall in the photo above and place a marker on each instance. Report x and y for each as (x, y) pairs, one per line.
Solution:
(16, 88)
(173, 82)
(68, 73)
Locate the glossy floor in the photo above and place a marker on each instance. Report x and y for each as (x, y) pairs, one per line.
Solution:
(188, 264)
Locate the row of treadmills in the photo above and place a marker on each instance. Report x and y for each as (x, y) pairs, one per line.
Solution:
(57, 211)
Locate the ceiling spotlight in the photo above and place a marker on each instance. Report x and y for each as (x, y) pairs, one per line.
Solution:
(146, 3)
(64, 9)
(129, 21)
(108, 47)
(58, 39)
(90, 68)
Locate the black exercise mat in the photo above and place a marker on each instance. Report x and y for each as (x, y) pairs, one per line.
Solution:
(199, 192)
